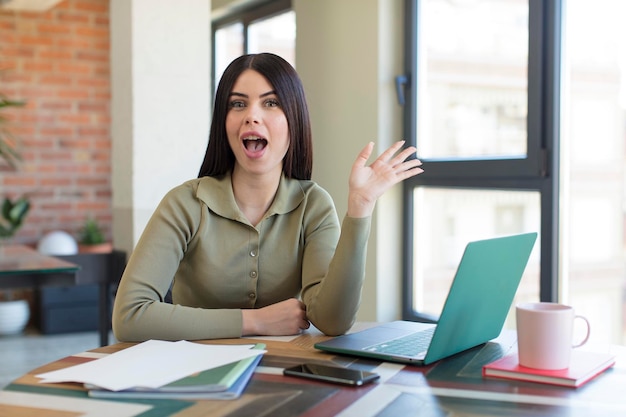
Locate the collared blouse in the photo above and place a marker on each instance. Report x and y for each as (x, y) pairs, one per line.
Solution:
(199, 244)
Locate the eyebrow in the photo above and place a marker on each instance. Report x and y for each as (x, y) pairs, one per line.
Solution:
(269, 93)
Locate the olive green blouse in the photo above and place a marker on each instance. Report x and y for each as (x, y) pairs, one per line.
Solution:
(200, 244)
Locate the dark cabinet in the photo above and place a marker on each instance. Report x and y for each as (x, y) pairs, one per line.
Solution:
(87, 305)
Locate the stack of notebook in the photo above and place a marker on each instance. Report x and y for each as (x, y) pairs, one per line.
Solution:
(226, 382)
(584, 367)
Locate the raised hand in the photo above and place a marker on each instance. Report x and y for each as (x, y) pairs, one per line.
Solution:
(283, 318)
(367, 183)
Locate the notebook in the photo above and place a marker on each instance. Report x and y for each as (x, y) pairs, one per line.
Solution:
(478, 302)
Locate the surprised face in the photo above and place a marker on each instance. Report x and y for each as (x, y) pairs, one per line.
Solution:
(256, 126)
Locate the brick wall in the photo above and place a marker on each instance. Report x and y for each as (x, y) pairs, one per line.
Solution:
(58, 62)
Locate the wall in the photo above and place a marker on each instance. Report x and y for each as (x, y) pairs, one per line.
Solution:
(58, 62)
(88, 152)
(348, 70)
(160, 68)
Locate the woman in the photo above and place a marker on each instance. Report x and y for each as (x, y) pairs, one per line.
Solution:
(253, 246)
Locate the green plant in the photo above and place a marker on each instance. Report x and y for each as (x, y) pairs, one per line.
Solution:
(8, 144)
(91, 233)
(13, 212)
(13, 215)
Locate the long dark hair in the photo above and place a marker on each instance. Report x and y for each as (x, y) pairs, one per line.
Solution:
(298, 161)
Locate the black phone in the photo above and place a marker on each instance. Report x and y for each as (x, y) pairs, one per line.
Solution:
(331, 373)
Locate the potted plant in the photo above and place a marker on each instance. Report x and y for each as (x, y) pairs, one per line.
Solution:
(91, 238)
(14, 312)
(14, 305)
(13, 215)
(13, 212)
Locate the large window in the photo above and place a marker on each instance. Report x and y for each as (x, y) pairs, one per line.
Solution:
(267, 27)
(477, 119)
(517, 111)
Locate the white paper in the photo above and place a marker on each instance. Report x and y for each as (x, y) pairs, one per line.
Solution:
(151, 364)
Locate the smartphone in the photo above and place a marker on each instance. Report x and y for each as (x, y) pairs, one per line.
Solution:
(335, 374)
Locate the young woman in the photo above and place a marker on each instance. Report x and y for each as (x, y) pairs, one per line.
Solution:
(253, 246)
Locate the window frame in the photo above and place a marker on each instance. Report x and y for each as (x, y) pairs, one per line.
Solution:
(246, 15)
(538, 171)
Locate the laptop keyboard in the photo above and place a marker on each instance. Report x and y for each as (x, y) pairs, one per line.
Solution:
(409, 345)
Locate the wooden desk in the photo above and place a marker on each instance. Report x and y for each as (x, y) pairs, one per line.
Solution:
(451, 387)
(24, 267)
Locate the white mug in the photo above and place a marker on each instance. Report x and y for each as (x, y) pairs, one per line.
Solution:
(545, 333)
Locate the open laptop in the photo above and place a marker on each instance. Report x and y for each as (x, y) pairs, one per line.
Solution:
(474, 312)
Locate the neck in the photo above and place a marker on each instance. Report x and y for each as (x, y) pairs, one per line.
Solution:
(254, 194)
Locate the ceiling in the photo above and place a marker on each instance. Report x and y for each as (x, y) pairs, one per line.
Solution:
(28, 5)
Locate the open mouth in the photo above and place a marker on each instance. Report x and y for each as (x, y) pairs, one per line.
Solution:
(254, 144)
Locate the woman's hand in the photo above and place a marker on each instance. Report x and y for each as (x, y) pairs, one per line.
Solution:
(367, 183)
(283, 318)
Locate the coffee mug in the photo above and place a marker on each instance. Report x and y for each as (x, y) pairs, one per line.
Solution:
(545, 334)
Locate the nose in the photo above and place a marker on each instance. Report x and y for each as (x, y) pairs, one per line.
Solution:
(252, 115)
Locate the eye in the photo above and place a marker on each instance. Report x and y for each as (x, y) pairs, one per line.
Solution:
(236, 104)
(272, 102)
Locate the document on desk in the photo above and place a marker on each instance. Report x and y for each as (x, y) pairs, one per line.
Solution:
(151, 364)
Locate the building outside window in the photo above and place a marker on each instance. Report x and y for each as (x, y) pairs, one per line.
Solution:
(475, 121)
(593, 120)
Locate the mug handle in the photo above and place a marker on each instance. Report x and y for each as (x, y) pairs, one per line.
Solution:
(588, 331)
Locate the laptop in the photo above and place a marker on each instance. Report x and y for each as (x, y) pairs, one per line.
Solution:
(478, 302)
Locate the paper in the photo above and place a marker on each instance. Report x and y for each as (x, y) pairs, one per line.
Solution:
(151, 364)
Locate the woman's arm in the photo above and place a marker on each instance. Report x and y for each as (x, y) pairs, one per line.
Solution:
(140, 312)
(332, 302)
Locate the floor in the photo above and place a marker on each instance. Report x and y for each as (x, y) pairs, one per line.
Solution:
(30, 350)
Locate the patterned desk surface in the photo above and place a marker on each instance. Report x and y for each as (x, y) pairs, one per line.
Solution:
(452, 387)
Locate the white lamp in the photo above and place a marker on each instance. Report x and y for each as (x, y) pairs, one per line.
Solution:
(57, 243)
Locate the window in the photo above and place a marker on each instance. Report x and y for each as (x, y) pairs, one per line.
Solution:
(472, 76)
(593, 126)
(477, 119)
(517, 111)
(268, 27)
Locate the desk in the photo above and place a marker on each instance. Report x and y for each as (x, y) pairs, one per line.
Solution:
(450, 387)
(24, 267)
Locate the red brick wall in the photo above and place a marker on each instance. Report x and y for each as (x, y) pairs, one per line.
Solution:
(58, 62)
